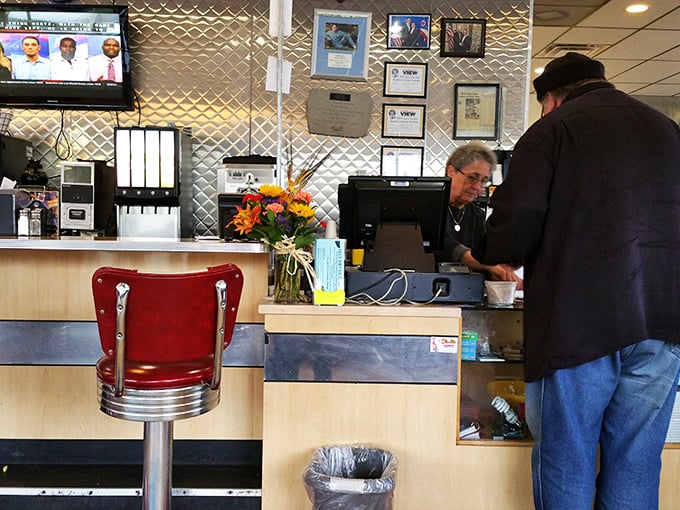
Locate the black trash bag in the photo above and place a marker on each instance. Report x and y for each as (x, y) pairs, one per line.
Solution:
(351, 477)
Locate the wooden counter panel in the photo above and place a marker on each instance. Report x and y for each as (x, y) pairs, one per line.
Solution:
(55, 402)
(368, 320)
(415, 422)
(55, 285)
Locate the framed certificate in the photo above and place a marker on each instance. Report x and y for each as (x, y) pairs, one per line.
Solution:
(340, 45)
(403, 121)
(476, 111)
(401, 161)
(404, 79)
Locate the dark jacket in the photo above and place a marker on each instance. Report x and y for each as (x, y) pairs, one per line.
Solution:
(591, 206)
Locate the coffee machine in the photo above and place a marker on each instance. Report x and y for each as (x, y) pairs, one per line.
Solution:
(153, 191)
(237, 176)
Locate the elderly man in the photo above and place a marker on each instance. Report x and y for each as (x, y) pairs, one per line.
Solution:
(590, 205)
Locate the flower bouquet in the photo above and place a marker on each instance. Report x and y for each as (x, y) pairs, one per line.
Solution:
(283, 219)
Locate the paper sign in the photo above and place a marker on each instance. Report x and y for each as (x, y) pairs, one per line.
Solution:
(272, 75)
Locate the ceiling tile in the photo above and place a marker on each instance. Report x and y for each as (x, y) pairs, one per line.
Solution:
(629, 88)
(560, 15)
(647, 72)
(673, 54)
(659, 89)
(614, 15)
(614, 68)
(670, 21)
(674, 80)
(543, 36)
(595, 36)
(644, 44)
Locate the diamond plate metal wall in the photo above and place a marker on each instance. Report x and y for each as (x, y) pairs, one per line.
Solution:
(202, 64)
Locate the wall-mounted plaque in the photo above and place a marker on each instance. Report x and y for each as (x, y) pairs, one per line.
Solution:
(338, 113)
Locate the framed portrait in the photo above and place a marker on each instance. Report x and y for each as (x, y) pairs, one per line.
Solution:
(401, 161)
(404, 79)
(476, 111)
(340, 45)
(408, 31)
(403, 121)
(462, 37)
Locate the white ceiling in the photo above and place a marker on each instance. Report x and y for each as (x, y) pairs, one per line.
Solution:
(640, 52)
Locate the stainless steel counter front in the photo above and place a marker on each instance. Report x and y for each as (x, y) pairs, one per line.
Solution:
(64, 343)
(357, 358)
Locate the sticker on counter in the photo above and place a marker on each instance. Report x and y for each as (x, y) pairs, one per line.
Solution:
(447, 344)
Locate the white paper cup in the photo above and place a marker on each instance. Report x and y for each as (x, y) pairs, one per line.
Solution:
(500, 293)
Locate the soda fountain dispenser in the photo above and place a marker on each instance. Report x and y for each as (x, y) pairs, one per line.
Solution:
(153, 192)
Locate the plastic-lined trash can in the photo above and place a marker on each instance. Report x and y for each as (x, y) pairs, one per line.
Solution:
(350, 476)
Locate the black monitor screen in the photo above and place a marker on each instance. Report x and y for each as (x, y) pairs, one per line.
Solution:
(367, 203)
(65, 57)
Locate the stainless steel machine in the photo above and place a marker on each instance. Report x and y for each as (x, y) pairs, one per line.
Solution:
(153, 192)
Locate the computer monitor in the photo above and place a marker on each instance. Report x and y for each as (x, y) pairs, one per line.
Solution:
(398, 221)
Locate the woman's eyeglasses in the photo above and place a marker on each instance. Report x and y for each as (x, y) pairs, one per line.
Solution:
(473, 179)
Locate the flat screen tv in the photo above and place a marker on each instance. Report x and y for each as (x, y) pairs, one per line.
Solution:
(397, 221)
(67, 57)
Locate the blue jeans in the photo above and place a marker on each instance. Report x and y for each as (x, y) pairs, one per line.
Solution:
(622, 402)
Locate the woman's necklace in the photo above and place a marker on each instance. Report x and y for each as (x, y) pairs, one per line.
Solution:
(456, 224)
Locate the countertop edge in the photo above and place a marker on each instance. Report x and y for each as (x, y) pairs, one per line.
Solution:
(132, 244)
(267, 306)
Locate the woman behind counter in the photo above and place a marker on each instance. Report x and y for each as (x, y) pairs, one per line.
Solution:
(469, 168)
(5, 65)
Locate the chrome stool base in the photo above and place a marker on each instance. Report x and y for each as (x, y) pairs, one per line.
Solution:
(157, 405)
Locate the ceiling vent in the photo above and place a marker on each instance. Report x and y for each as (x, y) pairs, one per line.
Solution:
(557, 50)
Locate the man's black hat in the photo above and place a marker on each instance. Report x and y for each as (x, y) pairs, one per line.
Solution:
(570, 68)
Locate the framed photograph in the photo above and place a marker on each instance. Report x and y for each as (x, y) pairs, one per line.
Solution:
(408, 31)
(401, 161)
(403, 121)
(340, 45)
(476, 111)
(405, 79)
(462, 37)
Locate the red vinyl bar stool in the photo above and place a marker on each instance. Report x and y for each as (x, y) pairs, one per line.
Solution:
(163, 337)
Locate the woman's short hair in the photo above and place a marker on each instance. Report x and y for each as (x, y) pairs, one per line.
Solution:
(469, 153)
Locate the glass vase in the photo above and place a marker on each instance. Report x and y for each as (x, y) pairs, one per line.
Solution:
(287, 276)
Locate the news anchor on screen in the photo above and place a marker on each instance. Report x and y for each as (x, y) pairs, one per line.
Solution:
(108, 65)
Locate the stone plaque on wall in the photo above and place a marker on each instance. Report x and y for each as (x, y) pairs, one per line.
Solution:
(337, 113)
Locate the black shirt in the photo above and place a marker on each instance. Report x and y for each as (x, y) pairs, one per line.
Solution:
(471, 220)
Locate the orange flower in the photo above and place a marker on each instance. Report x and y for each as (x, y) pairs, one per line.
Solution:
(246, 218)
(302, 196)
(276, 208)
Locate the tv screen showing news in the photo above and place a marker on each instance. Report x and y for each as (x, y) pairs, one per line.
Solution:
(65, 57)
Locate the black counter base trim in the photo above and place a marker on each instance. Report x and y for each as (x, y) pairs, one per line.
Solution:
(85, 474)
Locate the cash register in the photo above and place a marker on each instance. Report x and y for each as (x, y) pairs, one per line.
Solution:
(398, 223)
